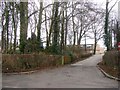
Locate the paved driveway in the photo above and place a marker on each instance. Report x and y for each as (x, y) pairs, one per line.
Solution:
(83, 74)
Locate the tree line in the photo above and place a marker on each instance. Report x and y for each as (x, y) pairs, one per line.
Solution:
(27, 25)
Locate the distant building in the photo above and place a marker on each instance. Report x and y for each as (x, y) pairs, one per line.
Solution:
(90, 48)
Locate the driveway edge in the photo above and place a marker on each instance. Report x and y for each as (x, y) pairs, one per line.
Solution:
(107, 75)
(29, 72)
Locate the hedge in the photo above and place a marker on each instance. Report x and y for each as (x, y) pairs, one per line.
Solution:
(23, 62)
(27, 62)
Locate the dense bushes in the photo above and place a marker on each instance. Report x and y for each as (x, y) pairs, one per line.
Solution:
(111, 63)
(111, 58)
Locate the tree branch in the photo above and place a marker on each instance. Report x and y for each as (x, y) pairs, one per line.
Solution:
(112, 6)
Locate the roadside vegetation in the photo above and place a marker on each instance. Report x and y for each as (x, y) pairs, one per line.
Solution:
(111, 63)
(31, 62)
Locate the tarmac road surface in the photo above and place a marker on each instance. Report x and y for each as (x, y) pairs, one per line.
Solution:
(83, 74)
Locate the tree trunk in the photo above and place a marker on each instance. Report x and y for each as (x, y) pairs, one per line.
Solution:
(7, 28)
(47, 43)
(23, 25)
(80, 34)
(11, 38)
(74, 33)
(15, 26)
(95, 45)
(56, 29)
(85, 44)
(66, 25)
(106, 27)
(51, 27)
(39, 24)
(118, 34)
(62, 31)
(3, 38)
